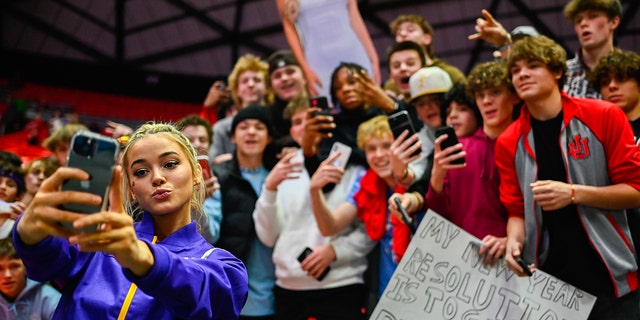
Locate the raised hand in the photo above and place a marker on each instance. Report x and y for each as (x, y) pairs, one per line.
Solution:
(489, 30)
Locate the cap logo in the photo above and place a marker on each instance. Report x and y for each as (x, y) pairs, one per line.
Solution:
(281, 63)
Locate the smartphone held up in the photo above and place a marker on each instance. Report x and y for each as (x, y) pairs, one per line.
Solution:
(323, 104)
(450, 141)
(97, 155)
(345, 153)
(399, 122)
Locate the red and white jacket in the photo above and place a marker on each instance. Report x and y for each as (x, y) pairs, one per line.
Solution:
(598, 150)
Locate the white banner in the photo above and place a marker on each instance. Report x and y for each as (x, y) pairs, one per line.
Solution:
(441, 276)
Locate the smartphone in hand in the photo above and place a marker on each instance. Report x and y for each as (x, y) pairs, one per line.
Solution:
(399, 122)
(345, 153)
(203, 160)
(97, 155)
(524, 266)
(323, 104)
(451, 140)
(306, 252)
(405, 216)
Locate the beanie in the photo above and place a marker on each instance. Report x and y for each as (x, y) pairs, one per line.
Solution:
(253, 111)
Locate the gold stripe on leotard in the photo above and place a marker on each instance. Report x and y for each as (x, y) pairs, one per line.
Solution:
(132, 291)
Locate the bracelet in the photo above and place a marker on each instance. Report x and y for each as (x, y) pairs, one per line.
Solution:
(411, 196)
(406, 173)
(573, 194)
(404, 176)
(506, 44)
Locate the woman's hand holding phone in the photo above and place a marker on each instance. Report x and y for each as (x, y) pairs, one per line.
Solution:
(44, 215)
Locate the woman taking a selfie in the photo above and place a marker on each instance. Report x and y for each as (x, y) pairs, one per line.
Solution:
(159, 268)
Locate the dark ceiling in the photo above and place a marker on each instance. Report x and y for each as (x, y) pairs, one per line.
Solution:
(175, 48)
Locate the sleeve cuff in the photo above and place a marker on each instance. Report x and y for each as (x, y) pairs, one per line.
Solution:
(269, 196)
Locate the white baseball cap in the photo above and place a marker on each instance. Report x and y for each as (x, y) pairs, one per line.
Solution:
(429, 80)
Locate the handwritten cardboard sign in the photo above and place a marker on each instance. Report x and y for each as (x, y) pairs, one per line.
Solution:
(441, 276)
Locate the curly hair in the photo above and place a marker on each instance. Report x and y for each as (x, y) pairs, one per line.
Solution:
(541, 49)
(244, 63)
(621, 65)
(351, 67)
(491, 74)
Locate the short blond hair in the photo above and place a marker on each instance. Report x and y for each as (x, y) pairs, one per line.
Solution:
(376, 127)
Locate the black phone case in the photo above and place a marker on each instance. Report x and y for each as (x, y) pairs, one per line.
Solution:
(307, 251)
(399, 122)
(323, 104)
(451, 140)
(524, 266)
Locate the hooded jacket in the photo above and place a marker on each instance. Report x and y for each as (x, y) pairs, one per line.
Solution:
(37, 301)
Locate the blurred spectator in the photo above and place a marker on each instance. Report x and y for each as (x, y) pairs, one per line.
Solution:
(198, 131)
(284, 220)
(217, 102)
(415, 28)
(241, 179)
(35, 173)
(57, 121)
(248, 85)
(460, 112)
(59, 141)
(11, 189)
(22, 298)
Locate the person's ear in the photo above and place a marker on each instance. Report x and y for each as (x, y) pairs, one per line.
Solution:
(615, 22)
(427, 39)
